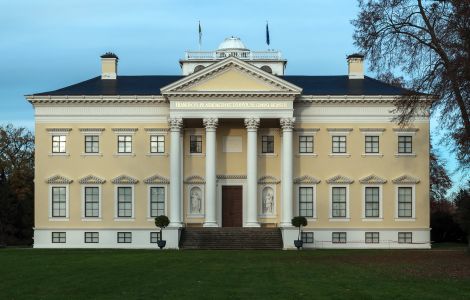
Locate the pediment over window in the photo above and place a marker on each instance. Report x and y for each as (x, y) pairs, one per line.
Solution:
(58, 179)
(156, 179)
(306, 179)
(91, 179)
(372, 179)
(340, 179)
(195, 179)
(268, 180)
(231, 75)
(406, 179)
(124, 179)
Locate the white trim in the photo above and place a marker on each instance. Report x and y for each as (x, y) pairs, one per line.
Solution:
(67, 201)
(82, 188)
(307, 132)
(330, 213)
(405, 154)
(339, 154)
(413, 202)
(165, 203)
(189, 187)
(116, 205)
(380, 217)
(297, 200)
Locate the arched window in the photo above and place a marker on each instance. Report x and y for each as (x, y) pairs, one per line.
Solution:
(267, 69)
(198, 68)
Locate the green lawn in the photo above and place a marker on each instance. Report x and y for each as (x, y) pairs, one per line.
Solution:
(145, 274)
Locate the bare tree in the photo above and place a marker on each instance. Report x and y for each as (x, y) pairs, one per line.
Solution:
(429, 43)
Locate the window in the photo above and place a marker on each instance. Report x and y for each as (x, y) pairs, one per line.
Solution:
(306, 201)
(339, 237)
(267, 69)
(124, 144)
(372, 237)
(405, 237)
(58, 143)
(157, 144)
(338, 144)
(157, 201)
(124, 202)
(198, 68)
(124, 237)
(92, 144)
(372, 143)
(306, 144)
(267, 144)
(58, 237)
(372, 204)
(92, 202)
(405, 202)
(338, 195)
(195, 144)
(91, 237)
(154, 237)
(307, 237)
(405, 144)
(59, 202)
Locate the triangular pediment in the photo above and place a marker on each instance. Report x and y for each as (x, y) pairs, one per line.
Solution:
(91, 179)
(306, 179)
(406, 179)
(372, 179)
(339, 179)
(124, 179)
(155, 179)
(268, 180)
(231, 75)
(195, 179)
(58, 179)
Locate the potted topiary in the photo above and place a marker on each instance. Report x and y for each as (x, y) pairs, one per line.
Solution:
(299, 222)
(161, 222)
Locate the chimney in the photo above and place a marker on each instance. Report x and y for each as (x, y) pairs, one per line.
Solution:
(356, 66)
(109, 62)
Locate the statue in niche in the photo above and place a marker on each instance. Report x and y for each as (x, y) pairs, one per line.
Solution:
(195, 201)
(268, 201)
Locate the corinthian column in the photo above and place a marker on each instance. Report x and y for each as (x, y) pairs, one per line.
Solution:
(252, 125)
(175, 172)
(287, 125)
(211, 145)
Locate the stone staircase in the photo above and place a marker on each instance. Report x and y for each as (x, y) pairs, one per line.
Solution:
(231, 238)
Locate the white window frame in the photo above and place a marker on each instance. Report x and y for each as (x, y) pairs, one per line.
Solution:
(129, 132)
(86, 133)
(413, 143)
(307, 132)
(116, 203)
(65, 133)
(413, 203)
(67, 201)
(297, 202)
(372, 219)
(268, 132)
(149, 207)
(372, 133)
(335, 132)
(157, 131)
(338, 219)
(84, 217)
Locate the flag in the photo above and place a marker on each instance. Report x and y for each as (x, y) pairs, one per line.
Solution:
(267, 34)
(200, 34)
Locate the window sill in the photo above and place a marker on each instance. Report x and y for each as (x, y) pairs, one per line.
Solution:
(124, 154)
(195, 216)
(196, 154)
(91, 219)
(156, 154)
(124, 220)
(91, 154)
(405, 219)
(339, 155)
(307, 154)
(339, 219)
(267, 216)
(372, 219)
(372, 155)
(405, 154)
(58, 219)
(268, 154)
(59, 154)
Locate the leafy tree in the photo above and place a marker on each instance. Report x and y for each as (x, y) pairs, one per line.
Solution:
(439, 179)
(299, 221)
(429, 42)
(161, 222)
(16, 185)
(462, 215)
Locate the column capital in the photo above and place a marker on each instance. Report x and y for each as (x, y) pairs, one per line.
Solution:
(287, 123)
(210, 123)
(252, 123)
(175, 123)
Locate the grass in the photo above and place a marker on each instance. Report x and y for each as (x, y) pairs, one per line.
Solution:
(318, 274)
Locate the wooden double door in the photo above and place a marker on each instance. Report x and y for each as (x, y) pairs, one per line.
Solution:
(232, 207)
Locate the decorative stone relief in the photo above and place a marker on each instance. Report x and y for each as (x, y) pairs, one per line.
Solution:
(91, 179)
(267, 207)
(156, 179)
(210, 123)
(372, 179)
(124, 179)
(306, 179)
(406, 179)
(339, 179)
(252, 123)
(287, 123)
(58, 179)
(175, 123)
(195, 201)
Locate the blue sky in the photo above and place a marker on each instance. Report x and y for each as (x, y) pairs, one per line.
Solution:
(46, 45)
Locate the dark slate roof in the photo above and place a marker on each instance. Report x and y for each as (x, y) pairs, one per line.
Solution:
(150, 85)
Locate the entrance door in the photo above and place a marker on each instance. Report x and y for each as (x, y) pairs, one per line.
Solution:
(232, 206)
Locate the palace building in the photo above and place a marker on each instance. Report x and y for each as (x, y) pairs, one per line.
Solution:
(232, 142)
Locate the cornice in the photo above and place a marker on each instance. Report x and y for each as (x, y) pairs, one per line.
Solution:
(354, 99)
(231, 176)
(195, 179)
(96, 99)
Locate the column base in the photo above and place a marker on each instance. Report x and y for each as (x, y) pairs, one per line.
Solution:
(252, 224)
(210, 224)
(175, 224)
